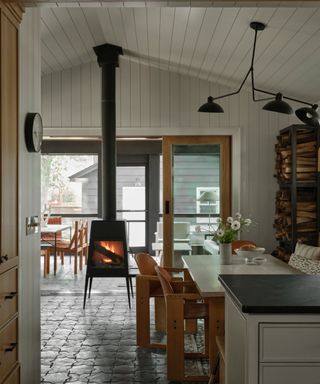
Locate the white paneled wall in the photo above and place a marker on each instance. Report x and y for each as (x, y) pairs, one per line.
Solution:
(29, 202)
(156, 102)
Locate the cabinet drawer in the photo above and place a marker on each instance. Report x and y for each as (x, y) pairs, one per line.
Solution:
(13, 377)
(8, 348)
(8, 295)
(289, 374)
(290, 342)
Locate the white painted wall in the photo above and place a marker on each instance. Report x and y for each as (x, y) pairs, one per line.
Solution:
(156, 102)
(29, 201)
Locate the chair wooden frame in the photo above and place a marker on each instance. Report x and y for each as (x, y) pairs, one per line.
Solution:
(181, 306)
(147, 287)
(73, 247)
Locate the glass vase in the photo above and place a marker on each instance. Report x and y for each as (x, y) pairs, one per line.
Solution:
(225, 253)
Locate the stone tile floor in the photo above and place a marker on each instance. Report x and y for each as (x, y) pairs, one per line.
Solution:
(96, 345)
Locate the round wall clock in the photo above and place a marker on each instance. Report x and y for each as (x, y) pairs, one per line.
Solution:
(33, 132)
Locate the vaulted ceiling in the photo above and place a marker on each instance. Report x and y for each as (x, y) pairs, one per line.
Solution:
(210, 43)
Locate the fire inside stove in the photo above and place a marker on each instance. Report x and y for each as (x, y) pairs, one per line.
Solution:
(108, 254)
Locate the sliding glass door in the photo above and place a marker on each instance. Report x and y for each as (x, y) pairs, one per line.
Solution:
(196, 190)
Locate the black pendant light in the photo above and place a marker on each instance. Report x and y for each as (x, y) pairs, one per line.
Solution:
(308, 115)
(278, 105)
(211, 106)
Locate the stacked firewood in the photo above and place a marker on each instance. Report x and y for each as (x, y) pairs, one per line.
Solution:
(306, 224)
(306, 157)
(282, 253)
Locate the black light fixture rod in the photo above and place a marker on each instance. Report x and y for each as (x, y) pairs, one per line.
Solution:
(276, 103)
(235, 92)
(284, 97)
(254, 48)
(298, 101)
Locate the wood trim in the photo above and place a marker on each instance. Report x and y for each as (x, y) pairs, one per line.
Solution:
(11, 263)
(13, 11)
(225, 182)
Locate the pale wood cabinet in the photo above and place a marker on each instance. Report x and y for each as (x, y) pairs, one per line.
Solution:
(10, 18)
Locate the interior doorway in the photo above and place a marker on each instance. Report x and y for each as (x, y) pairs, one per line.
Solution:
(196, 191)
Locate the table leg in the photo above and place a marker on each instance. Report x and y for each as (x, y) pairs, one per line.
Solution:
(55, 254)
(216, 326)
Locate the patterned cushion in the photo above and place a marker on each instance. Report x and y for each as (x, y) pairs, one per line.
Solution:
(308, 251)
(305, 264)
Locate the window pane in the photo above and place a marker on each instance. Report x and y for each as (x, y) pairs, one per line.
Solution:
(196, 186)
(69, 184)
(131, 202)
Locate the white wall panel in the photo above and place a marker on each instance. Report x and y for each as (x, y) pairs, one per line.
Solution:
(29, 199)
(56, 99)
(76, 97)
(135, 111)
(96, 95)
(86, 96)
(155, 105)
(145, 95)
(66, 98)
(152, 101)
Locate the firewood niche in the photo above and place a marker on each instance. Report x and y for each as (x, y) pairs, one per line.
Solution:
(297, 200)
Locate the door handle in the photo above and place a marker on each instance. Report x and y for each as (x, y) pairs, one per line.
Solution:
(4, 258)
(167, 207)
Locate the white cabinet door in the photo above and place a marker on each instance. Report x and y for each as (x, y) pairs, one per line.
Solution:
(289, 374)
(290, 342)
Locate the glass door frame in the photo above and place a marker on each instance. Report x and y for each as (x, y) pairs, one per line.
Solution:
(225, 183)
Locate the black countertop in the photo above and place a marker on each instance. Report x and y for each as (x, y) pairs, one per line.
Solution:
(274, 293)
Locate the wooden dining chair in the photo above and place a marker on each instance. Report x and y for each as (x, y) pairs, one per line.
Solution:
(239, 243)
(147, 287)
(72, 247)
(51, 236)
(180, 307)
(84, 241)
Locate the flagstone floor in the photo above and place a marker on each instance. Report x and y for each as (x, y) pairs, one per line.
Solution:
(96, 345)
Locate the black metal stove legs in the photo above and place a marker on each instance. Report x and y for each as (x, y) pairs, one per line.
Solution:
(89, 280)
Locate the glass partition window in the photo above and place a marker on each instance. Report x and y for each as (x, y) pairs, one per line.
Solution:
(131, 202)
(196, 184)
(69, 184)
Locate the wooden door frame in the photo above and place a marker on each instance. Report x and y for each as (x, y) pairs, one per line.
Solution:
(225, 182)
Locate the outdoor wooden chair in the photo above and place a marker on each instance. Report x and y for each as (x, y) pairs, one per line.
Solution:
(180, 307)
(46, 261)
(49, 237)
(72, 247)
(148, 286)
(84, 242)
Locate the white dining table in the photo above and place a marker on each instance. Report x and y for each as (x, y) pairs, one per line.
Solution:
(205, 270)
(54, 229)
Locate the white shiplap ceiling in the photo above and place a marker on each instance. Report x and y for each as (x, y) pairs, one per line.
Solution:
(211, 43)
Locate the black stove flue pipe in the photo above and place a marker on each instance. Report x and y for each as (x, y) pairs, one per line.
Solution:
(108, 60)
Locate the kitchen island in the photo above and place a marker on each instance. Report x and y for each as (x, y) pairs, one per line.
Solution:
(272, 329)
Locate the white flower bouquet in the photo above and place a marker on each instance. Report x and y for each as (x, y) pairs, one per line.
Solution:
(228, 231)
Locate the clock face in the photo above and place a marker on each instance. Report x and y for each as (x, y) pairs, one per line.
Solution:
(33, 132)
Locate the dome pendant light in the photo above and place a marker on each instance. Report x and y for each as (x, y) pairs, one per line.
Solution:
(278, 105)
(211, 106)
(307, 115)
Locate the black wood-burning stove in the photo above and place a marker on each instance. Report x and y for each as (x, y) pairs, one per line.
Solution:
(108, 253)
